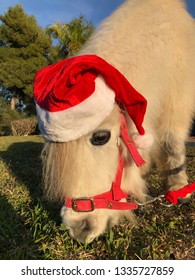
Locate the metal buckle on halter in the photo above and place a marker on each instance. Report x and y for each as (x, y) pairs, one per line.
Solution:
(74, 204)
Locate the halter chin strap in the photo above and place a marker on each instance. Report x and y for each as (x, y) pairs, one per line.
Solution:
(112, 199)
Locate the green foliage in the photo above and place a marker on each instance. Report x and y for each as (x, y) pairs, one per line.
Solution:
(30, 227)
(71, 36)
(24, 48)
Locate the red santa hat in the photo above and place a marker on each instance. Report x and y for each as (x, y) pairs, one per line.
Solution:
(75, 95)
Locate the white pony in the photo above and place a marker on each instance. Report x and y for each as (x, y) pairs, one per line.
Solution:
(152, 43)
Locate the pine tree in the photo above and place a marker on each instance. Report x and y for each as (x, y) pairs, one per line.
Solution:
(24, 48)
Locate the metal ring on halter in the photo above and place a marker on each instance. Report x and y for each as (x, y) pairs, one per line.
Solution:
(165, 203)
(152, 199)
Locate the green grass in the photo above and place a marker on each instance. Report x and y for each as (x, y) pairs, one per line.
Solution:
(30, 227)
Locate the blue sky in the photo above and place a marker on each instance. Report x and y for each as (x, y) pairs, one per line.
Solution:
(49, 11)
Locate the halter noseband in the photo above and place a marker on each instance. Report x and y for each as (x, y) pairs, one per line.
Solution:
(111, 199)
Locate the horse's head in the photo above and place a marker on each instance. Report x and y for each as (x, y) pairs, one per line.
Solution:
(85, 162)
(79, 172)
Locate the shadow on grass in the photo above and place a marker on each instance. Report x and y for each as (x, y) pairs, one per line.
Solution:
(16, 241)
(24, 163)
(23, 160)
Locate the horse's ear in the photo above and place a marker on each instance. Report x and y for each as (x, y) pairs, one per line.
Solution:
(143, 141)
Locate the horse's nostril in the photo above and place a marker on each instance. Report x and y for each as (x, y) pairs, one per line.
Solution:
(86, 225)
(81, 230)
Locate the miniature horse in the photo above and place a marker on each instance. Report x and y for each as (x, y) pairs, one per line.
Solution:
(152, 43)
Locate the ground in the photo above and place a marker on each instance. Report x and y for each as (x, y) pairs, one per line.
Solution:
(30, 227)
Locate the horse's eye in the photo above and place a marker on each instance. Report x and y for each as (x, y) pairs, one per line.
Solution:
(100, 137)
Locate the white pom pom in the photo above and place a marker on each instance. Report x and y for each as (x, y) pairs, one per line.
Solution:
(143, 141)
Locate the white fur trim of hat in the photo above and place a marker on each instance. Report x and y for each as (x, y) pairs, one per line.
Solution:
(76, 121)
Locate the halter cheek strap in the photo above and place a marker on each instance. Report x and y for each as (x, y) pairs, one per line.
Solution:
(139, 161)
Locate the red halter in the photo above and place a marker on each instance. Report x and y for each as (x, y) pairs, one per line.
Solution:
(111, 199)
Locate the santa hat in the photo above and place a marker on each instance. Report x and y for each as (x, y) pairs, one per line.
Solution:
(75, 95)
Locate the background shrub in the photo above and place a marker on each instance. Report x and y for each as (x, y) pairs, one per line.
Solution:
(7, 116)
(24, 127)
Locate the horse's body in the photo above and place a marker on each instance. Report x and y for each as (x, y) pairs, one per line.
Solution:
(152, 43)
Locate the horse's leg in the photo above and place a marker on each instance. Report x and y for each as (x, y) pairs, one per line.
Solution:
(172, 130)
(172, 162)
